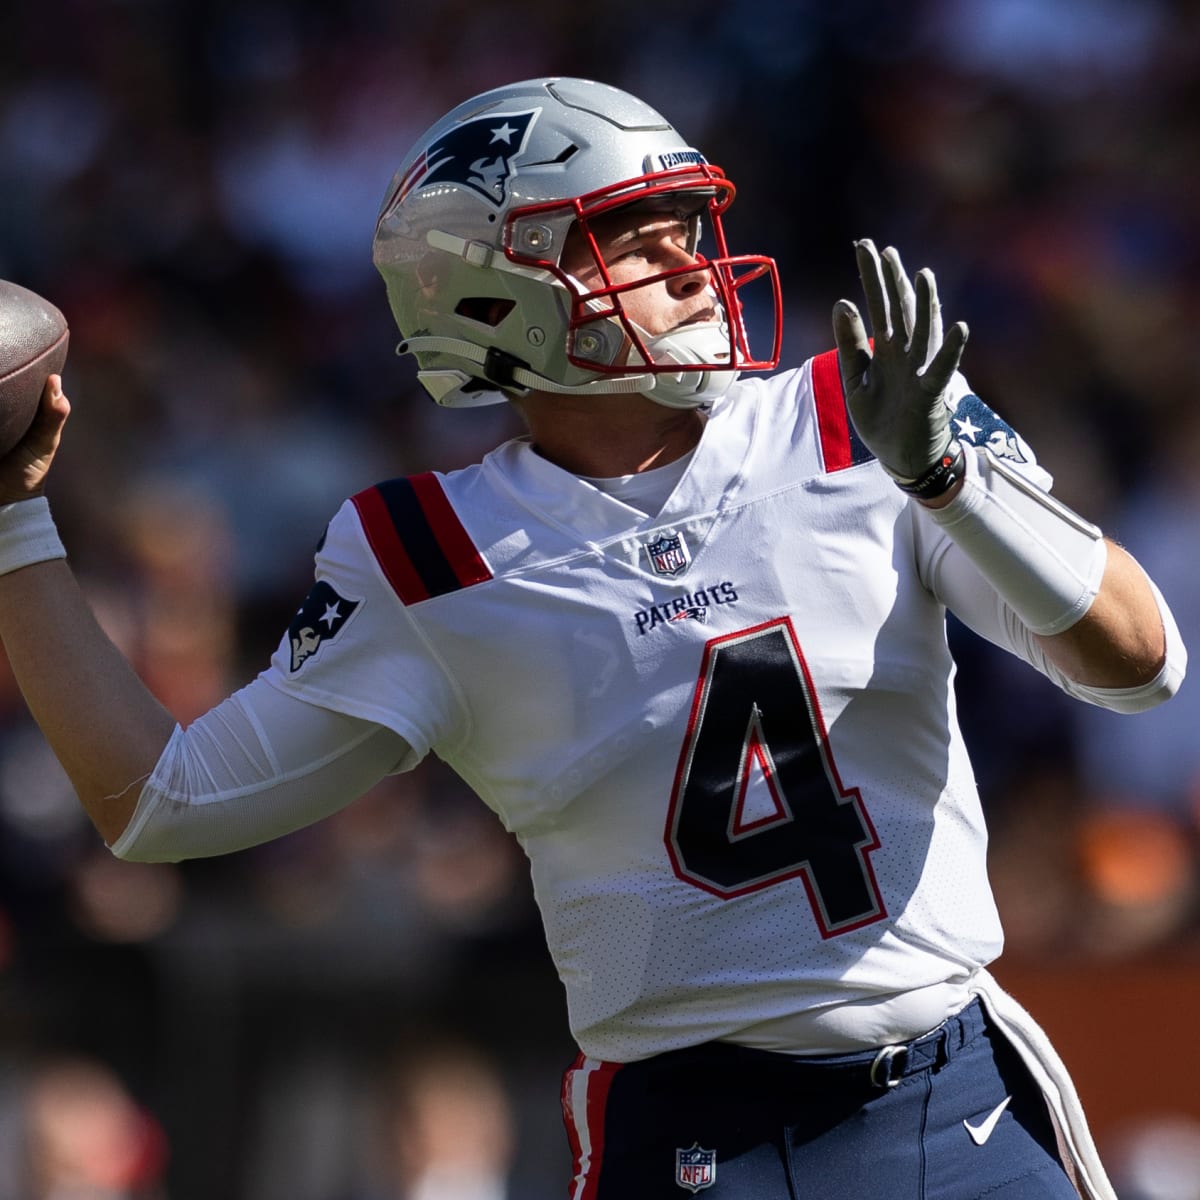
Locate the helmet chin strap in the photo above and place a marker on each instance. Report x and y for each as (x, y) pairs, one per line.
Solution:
(702, 342)
(691, 389)
(687, 389)
(521, 376)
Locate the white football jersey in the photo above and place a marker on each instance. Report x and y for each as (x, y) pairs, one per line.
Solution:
(725, 735)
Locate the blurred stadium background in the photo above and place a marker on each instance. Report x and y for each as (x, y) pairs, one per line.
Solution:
(365, 1011)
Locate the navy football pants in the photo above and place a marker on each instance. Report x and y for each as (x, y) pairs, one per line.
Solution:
(954, 1117)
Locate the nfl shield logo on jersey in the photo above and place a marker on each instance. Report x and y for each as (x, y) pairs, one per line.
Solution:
(668, 554)
(695, 1169)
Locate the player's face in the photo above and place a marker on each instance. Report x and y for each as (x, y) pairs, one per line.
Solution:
(637, 246)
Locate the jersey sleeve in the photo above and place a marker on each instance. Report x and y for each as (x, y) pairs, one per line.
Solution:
(355, 646)
(258, 766)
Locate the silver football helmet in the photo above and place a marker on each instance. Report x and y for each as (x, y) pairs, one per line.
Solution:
(470, 238)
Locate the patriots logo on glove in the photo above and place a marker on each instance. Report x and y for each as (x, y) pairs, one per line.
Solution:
(320, 619)
(479, 154)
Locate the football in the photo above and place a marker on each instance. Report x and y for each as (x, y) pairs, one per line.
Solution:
(33, 345)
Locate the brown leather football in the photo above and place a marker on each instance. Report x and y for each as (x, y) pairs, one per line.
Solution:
(33, 345)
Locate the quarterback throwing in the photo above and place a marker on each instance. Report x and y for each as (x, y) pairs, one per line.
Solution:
(687, 638)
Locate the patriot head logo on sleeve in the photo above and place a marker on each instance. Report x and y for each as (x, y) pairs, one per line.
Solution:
(975, 423)
(320, 619)
(480, 154)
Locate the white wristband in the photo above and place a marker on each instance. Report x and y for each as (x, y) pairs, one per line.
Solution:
(28, 535)
(1044, 560)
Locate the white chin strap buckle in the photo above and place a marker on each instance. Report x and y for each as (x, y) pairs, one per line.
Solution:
(704, 342)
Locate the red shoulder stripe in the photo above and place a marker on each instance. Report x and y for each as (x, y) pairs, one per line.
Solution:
(418, 539)
(384, 540)
(841, 446)
(464, 559)
(832, 418)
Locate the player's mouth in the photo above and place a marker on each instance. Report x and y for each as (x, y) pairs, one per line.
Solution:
(705, 316)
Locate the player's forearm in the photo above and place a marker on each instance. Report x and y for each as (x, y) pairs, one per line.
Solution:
(1120, 641)
(1087, 604)
(100, 720)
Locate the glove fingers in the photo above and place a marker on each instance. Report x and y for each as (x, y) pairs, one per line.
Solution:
(935, 316)
(853, 346)
(927, 335)
(945, 361)
(871, 273)
(922, 327)
(901, 299)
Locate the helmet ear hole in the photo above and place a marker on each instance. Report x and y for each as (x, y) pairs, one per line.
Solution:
(487, 310)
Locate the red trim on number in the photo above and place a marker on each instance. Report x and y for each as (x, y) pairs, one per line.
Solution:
(388, 548)
(465, 560)
(800, 870)
(853, 793)
(832, 418)
(698, 701)
(757, 754)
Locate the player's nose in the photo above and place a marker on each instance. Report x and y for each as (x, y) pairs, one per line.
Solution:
(687, 283)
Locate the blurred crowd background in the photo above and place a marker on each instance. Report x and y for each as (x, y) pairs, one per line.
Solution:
(365, 1010)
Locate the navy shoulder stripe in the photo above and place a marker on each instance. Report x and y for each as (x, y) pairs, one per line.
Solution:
(417, 538)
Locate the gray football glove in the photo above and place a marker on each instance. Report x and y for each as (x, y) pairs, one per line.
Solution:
(896, 394)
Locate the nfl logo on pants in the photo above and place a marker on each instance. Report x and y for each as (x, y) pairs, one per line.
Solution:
(695, 1168)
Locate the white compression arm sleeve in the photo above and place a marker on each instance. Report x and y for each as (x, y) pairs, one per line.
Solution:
(259, 765)
(1044, 560)
(956, 581)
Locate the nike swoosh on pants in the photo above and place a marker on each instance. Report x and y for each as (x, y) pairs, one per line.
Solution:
(981, 1132)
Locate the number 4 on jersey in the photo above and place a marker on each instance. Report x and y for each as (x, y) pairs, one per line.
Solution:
(756, 731)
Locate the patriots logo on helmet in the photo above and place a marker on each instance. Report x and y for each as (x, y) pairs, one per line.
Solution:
(978, 425)
(319, 620)
(479, 154)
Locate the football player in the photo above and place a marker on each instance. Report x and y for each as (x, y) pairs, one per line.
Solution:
(687, 638)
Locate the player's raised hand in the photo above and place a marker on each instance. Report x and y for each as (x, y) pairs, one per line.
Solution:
(895, 393)
(23, 469)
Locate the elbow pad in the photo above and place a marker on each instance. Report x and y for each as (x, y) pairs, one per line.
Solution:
(1044, 561)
